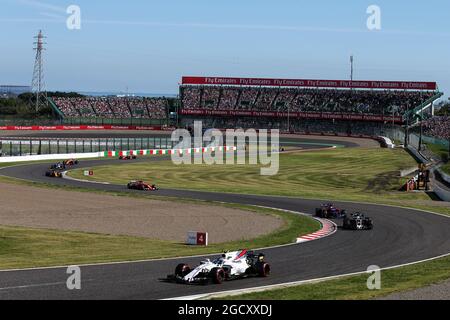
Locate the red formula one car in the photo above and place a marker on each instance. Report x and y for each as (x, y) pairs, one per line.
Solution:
(141, 185)
(127, 157)
(329, 211)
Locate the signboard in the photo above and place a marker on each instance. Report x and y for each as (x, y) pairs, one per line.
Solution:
(197, 238)
(82, 127)
(88, 173)
(292, 115)
(310, 83)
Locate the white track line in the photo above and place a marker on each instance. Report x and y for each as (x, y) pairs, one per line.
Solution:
(65, 176)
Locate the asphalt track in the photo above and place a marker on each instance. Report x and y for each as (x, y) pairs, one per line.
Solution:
(400, 236)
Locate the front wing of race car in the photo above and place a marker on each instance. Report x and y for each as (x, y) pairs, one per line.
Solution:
(358, 224)
(199, 279)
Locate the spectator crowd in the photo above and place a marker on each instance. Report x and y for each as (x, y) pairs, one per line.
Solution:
(376, 102)
(438, 127)
(113, 108)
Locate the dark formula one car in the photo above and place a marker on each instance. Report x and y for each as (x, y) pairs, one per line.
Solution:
(64, 164)
(141, 185)
(127, 157)
(53, 174)
(58, 166)
(329, 211)
(357, 221)
(231, 265)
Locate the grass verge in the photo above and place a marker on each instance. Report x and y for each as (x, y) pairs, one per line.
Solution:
(28, 247)
(359, 174)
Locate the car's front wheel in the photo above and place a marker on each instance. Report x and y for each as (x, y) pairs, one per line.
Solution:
(182, 269)
(218, 275)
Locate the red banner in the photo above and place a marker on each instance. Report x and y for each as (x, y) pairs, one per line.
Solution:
(293, 115)
(81, 127)
(363, 84)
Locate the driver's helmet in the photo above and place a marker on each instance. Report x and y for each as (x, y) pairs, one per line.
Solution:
(220, 260)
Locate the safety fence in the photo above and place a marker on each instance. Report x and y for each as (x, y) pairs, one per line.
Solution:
(26, 147)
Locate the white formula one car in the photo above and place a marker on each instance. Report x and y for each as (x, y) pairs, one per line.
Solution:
(229, 266)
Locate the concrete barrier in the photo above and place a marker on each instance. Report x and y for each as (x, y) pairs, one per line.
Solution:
(407, 172)
(442, 193)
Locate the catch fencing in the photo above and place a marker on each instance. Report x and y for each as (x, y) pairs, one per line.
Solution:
(12, 147)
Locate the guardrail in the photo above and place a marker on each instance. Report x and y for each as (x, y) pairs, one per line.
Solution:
(417, 155)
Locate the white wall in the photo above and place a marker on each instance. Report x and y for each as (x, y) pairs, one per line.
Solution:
(52, 157)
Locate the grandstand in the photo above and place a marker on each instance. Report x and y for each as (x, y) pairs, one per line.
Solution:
(310, 106)
(248, 102)
(438, 127)
(111, 108)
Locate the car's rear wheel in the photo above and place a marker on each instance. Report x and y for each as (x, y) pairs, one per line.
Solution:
(264, 270)
(182, 269)
(218, 275)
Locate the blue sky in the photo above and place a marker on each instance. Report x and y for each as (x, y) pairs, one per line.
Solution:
(148, 45)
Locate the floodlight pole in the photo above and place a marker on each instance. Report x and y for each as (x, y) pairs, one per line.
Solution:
(351, 70)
